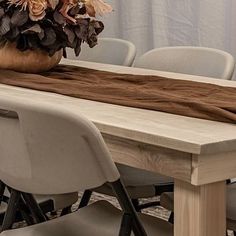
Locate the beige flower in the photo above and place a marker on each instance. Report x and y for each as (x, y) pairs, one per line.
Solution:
(97, 7)
(37, 9)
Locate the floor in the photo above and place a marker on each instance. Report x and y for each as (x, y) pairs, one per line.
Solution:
(154, 211)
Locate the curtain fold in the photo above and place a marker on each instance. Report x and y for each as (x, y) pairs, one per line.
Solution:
(157, 23)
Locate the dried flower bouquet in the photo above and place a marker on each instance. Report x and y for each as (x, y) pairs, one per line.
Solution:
(51, 25)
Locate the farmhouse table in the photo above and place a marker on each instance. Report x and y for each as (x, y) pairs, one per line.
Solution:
(199, 154)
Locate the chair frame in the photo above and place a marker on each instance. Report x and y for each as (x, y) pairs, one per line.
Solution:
(130, 221)
(159, 189)
(2, 189)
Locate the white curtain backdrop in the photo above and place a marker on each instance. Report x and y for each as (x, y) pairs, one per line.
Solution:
(157, 23)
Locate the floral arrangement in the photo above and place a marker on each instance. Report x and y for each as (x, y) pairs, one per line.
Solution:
(51, 25)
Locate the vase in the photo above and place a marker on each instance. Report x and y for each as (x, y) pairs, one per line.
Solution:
(29, 61)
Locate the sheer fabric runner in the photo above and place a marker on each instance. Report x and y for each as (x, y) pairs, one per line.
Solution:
(186, 98)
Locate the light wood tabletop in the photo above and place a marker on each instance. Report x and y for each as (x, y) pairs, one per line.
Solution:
(199, 154)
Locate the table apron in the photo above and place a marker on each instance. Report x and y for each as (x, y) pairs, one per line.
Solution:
(164, 161)
(194, 169)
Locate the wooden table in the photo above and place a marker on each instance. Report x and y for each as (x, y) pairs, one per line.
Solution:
(199, 154)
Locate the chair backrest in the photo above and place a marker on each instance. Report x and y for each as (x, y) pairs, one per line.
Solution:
(48, 149)
(189, 60)
(108, 51)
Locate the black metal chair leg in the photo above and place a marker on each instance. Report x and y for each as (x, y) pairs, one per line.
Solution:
(25, 212)
(36, 211)
(136, 204)
(85, 198)
(126, 225)
(66, 210)
(10, 214)
(128, 208)
(2, 189)
(171, 218)
(147, 205)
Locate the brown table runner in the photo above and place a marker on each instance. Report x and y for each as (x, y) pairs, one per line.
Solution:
(187, 98)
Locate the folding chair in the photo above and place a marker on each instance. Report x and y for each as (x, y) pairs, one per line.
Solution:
(58, 151)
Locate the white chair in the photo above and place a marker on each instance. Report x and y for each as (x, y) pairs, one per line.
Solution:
(200, 61)
(108, 50)
(49, 149)
(48, 203)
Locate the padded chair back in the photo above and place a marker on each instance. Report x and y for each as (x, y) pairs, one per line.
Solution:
(49, 149)
(108, 51)
(189, 60)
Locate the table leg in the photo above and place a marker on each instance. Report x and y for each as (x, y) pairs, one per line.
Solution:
(200, 210)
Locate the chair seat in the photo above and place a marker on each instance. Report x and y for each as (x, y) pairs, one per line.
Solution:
(139, 183)
(100, 219)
